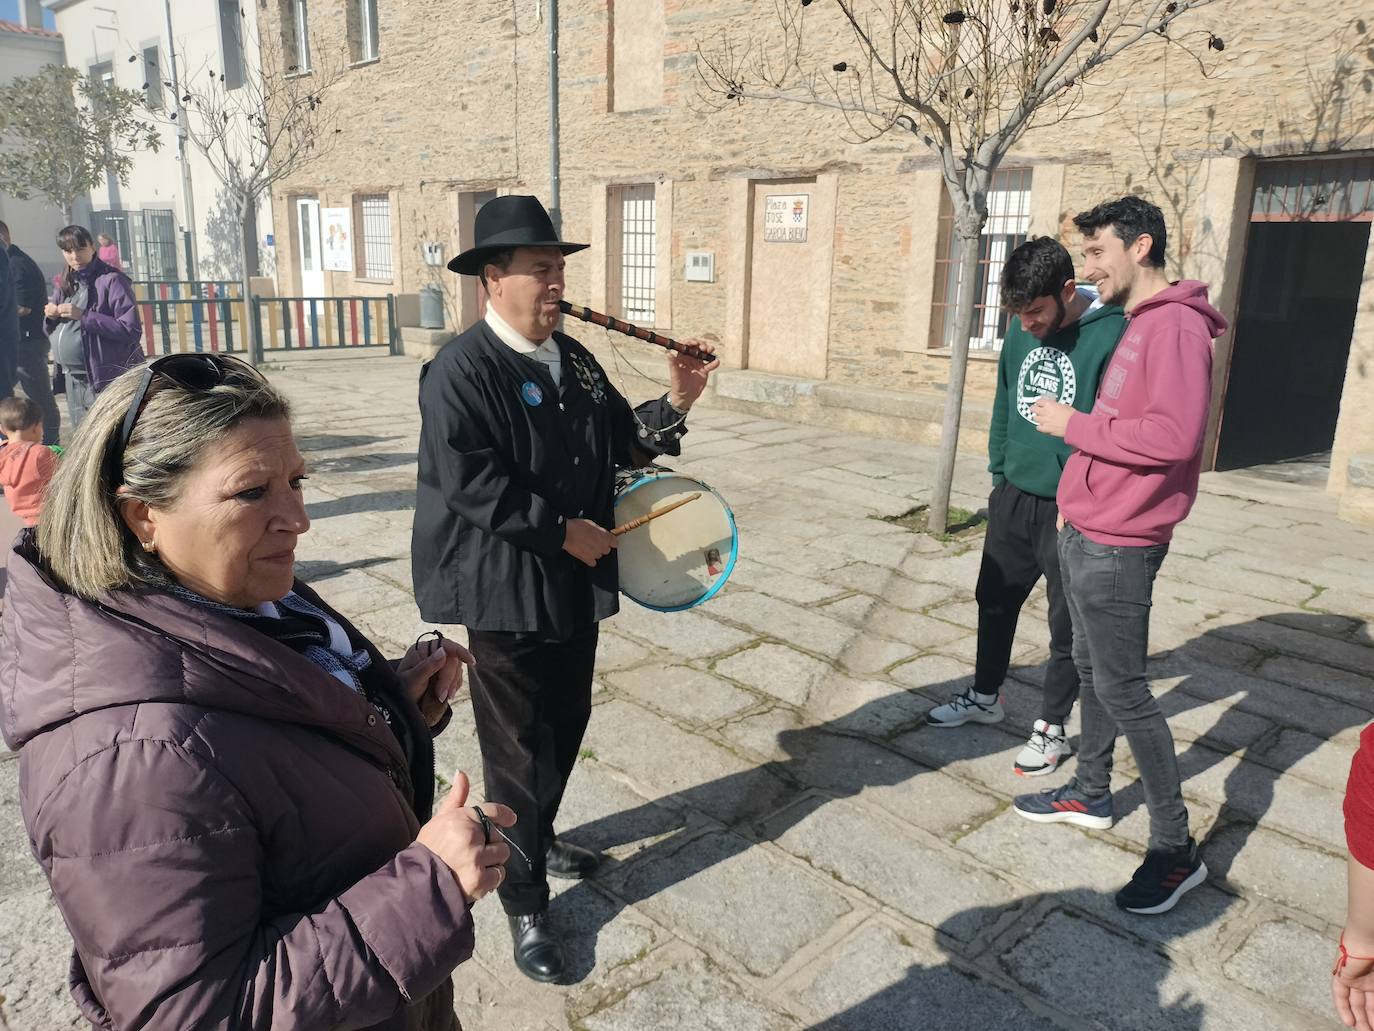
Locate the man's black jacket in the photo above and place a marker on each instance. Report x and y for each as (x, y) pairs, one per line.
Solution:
(506, 458)
(30, 291)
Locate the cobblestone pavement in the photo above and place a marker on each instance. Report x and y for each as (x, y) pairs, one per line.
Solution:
(790, 845)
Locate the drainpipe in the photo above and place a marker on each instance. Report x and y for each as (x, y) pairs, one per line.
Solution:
(554, 177)
(192, 260)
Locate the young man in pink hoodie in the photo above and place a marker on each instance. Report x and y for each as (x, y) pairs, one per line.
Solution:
(1131, 479)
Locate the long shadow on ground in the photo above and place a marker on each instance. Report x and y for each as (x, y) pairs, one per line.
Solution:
(874, 747)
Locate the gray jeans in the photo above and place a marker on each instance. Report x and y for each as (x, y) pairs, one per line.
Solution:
(80, 397)
(1109, 590)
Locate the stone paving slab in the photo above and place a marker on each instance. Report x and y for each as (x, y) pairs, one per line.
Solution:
(884, 976)
(788, 845)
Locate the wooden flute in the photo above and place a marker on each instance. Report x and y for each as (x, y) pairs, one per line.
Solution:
(586, 314)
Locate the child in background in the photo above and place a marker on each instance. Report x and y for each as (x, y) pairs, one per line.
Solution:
(26, 465)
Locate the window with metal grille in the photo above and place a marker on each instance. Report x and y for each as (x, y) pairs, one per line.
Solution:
(633, 244)
(1006, 229)
(157, 244)
(375, 209)
(295, 34)
(362, 30)
(231, 42)
(1334, 189)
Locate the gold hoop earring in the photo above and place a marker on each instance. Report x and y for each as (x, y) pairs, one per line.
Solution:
(150, 547)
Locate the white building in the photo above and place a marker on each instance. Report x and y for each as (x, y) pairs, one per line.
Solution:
(126, 41)
(25, 48)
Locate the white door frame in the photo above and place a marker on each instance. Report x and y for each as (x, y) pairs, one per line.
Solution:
(309, 260)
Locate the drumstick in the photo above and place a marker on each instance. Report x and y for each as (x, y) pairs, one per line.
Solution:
(635, 524)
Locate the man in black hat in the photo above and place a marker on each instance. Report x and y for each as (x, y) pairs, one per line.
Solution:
(521, 435)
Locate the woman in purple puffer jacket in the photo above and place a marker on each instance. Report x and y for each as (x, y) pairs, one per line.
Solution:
(92, 322)
(231, 792)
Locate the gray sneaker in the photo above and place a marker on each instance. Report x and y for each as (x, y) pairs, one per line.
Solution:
(966, 708)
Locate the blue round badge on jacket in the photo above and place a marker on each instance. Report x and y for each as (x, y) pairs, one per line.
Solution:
(530, 391)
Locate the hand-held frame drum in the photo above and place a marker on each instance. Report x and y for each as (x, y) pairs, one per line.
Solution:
(683, 559)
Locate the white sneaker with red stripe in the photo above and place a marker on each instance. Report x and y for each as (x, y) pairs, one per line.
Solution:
(1067, 804)
(1046, 750)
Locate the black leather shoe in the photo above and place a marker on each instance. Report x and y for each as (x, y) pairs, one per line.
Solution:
(570, 862)
(538, 951)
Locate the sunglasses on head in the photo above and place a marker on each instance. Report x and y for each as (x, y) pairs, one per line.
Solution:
(188, 371)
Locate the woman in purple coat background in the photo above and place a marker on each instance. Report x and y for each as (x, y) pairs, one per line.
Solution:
(92, 322)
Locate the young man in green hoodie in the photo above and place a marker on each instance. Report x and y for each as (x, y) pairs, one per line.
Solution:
(1056, 346)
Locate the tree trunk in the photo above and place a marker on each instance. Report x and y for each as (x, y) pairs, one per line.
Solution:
(252, 340)
(938, 519)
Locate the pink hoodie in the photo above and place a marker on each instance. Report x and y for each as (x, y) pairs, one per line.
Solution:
(1133, 474)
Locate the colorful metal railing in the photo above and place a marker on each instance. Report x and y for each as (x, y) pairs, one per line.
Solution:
(217, 323)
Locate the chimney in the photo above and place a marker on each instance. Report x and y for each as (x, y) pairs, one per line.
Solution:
(31, 13)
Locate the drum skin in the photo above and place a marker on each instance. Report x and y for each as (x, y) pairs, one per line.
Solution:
(684, 557)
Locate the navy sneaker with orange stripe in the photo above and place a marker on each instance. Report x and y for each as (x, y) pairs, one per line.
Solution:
(1066, 805)
(1162, 880)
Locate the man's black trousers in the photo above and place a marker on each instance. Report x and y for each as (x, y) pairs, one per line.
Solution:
(1021, 545)
(531, 700)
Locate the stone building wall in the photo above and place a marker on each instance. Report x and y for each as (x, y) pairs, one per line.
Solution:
(458, 102)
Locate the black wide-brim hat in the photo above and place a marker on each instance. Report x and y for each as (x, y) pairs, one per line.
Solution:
(506, 222)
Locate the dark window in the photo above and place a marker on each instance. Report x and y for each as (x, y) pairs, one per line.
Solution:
(231, 42)
(362, 30)
(632, 243)
(376, 239)
(152, 76)
(295, 36)
(101, 75)
(1006, 229)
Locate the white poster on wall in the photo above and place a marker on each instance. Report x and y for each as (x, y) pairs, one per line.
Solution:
(785, 217)
(336, 227)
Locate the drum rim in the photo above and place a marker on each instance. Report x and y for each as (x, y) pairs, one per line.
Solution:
(734, 537)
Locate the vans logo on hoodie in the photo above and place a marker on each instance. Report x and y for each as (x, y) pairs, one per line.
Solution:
(1046, 370)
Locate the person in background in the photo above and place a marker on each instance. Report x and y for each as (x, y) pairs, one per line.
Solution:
(109, 252)
(1352, 978)
(92, 322)
(26, 464)
(30, 365)
(1132, 478)
(1057, 345)
(9, 325)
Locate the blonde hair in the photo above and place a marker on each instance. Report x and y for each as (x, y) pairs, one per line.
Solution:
(81, 534)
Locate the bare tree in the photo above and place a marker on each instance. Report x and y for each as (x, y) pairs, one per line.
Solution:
(67, 132)
(967, 78)
(260, 124)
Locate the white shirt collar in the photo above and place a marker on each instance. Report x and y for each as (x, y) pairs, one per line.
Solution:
(518, 342)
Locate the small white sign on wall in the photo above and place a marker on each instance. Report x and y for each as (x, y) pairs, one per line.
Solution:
(785, 217)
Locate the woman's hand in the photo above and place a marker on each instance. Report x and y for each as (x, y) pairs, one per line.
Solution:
(432, 671)
(455, 835)
(67, 310)
(50, 310)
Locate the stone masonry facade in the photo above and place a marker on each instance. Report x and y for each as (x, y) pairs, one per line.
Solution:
(457, 105)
